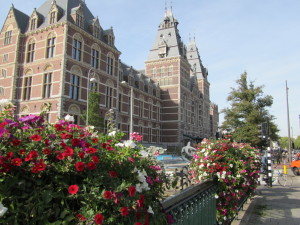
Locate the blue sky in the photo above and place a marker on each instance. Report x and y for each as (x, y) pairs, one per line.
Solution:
(261, 37)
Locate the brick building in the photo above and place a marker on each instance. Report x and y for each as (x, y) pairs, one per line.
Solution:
(51, 55)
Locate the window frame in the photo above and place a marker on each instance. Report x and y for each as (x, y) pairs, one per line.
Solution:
(74, 86)
(7, 37)
(47, 84)
(27, 88)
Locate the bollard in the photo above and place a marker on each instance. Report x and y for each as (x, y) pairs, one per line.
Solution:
(284, 169)
(269, 167)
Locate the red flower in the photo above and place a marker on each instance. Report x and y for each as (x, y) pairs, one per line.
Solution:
(141, 201)
(95, 140)
(91, 166)
(16, 142)
(81, 155)
(36, 137)
(80, 217)
(131, 191)
(99, 218)
(22, 151)
(113, 174)
(47, 151)
(73, 189)
(40, 166)
(75, 142)
(47, 142)
(61, 156)
(131, 159)
(68, 151)
(95, 159)
(34, 170)
(66, 136)
(17, 161)
(32, 154)
(124, 211)
(79, 166)
(58, 127)
(91, 150)
(107, 195)
(138, 223)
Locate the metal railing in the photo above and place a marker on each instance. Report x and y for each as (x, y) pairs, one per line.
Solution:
(195, 205)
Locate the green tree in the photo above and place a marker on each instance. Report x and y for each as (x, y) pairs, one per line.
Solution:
(94, 118)
(247, 111)
(297, 143)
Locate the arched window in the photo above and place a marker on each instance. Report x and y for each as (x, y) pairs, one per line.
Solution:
(51, 42)
(30, 50)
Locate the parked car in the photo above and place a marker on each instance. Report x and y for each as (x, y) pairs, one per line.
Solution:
(295, 165)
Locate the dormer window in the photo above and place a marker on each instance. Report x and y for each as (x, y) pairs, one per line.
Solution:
(52, 17)
(110, 40)
(33, 24)
(96, 32)
(79, 19)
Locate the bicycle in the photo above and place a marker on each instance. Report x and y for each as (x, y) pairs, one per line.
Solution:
(281, 178)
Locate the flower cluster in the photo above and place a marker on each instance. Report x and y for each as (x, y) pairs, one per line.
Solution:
(68, 174)
(236, 165)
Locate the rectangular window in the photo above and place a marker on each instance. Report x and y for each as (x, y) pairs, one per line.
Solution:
(79, 20)
(52, 17)
(150, 111)
(170, 70)
(33, 24)
(3, 73)
(74, 87)
(7, 37)
(109, 68)
(95, 58)
(108, 102)
(51, 47)
(76, 50)
(30, 52)
(141, 108)
(120, 103)
(149, 134)
(47, 85)
(5, 58)
(27, 88)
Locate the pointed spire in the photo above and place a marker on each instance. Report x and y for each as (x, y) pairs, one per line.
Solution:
(171, 5)
(12, 5)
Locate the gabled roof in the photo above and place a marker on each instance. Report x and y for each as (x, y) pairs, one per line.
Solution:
(21, 19)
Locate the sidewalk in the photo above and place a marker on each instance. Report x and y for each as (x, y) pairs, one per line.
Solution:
(274, 205)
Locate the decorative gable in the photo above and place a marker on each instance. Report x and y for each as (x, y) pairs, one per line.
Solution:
(78, 15)
(95, 28)
(54, 13)
(35, 20)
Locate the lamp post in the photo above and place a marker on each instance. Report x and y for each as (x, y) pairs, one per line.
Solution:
(93, 79)
(131, 108)
(288, 121)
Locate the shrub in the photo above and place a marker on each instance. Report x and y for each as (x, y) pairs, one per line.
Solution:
(236, 166)
(67, 174)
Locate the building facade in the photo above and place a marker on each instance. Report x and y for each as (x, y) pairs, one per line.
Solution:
(51, 55)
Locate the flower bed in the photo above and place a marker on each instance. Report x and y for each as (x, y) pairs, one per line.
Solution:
(66, 174)
(235, 165)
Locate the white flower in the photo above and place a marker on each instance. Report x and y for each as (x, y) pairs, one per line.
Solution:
(69, 118)
(225, 218)
(150, 210)
(129, 143)
(138, 188)
(216, 196)
(144, 153)
(2, 210)
(231, 165)
(113, 133)
(120, 144)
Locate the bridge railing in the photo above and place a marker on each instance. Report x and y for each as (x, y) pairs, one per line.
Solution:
(196, 205)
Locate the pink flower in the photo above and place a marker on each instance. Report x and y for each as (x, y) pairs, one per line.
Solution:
(73, 189)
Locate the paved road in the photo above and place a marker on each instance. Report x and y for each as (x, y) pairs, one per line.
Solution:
(275, 205)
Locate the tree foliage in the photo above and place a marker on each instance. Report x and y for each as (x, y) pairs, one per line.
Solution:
(248, 110)
(94, 118)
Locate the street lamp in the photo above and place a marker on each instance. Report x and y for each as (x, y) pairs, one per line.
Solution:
(131, 108)
(93, 79)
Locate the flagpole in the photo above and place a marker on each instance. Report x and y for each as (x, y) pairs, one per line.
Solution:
(288, 121)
